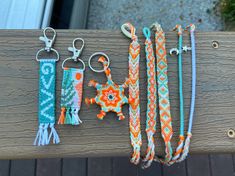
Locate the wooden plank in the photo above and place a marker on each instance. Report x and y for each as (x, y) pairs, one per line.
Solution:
(155, 170)
(198, 165)
(48, 167)
(222, 164)
(178, 169)
(122, 166)
(99, 166)
(22, 167)
(5, 167)
(74, 167)
(19, 89)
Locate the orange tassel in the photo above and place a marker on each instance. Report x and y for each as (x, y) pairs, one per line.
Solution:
(62, 116)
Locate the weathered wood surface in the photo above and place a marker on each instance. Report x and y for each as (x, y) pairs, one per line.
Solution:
(215, 103)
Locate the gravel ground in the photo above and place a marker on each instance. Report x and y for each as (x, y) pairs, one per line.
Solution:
(111, 14)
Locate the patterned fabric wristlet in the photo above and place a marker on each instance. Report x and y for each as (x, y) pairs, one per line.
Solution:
(193, 95)
(46, 115)
(151, 113)
(163, 91)
(71, 96)
(134, 108)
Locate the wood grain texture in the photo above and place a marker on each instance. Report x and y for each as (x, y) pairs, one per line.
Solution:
(214, 113)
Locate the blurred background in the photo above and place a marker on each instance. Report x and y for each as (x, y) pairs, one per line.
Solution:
(208, 15)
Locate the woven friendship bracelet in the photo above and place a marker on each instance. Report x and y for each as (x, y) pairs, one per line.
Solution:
(72, 88)
(163, 92)
(151, 113)
(46, 104)
(193, 95)
(134, 108)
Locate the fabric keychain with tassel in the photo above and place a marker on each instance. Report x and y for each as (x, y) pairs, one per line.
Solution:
(163, 92)
(193, 93)
(110, 96)
(151, 113)
(72, 87)
(47, 77)
(134, 109)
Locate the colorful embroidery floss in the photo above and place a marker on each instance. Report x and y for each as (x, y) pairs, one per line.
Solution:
(110, 96)
(163, 91)
(72, 85)
(193, 94)
(47, 76)
(151, 113)
(134, 109)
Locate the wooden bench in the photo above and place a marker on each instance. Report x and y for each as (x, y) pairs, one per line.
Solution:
(215, 103)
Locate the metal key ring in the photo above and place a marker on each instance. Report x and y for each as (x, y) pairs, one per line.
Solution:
(44, 49)
(70, 58)
(95, 54)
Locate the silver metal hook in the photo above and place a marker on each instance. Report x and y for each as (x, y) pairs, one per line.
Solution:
(70, 58)
(96, 54)
(76, 52)
(48, 41)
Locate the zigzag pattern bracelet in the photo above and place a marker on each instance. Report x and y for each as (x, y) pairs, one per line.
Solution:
(134, 108)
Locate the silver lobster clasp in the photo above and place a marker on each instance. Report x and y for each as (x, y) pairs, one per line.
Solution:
(76, 52)
(48, 41)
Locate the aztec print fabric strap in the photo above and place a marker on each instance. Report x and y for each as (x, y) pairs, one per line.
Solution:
(71, 96)
(151, 113)
(134, 108)
(193, 95)
(46, 115)
(163, 92)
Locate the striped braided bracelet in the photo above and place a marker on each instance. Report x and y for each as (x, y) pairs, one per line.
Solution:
(151, 113)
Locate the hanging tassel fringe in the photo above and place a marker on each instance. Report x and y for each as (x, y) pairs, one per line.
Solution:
(43, 137)
(75, 118)
(186, 148)
(150, 153)
(68, 119)
(62, 116)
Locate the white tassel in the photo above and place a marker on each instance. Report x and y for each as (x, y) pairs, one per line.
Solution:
(75, 118)
(54, 134)
(38, 138)
(45, 139)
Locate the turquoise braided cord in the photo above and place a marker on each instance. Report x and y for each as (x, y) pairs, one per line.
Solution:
(180, 70)
(151, 113)
(180, 145)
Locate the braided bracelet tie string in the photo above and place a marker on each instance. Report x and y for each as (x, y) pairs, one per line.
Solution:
(151, 113)
(134, 108)
(178, 52)
(163, 92)
(193, 94)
